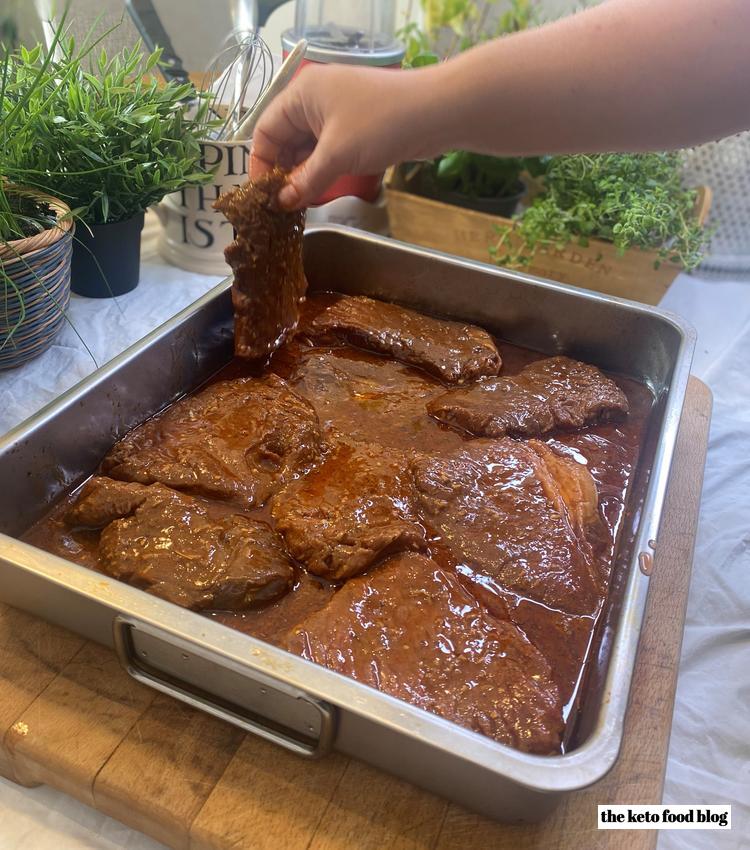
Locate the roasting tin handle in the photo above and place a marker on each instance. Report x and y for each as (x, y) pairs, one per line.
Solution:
(248, 699)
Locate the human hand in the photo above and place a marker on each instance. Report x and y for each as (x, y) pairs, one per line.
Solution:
(338, 119)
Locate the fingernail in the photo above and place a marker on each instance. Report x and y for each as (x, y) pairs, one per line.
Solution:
(289, 196)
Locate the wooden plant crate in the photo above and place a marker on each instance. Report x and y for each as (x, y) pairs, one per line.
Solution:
(467, 233)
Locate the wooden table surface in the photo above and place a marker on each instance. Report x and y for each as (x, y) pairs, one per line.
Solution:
(70, 717)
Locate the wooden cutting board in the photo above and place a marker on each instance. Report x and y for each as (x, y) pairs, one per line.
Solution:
(71, 718)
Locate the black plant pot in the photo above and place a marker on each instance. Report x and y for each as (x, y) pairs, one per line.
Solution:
(504, 206)
(107, 261)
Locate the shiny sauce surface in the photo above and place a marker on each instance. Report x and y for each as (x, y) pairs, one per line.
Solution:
(371, 398)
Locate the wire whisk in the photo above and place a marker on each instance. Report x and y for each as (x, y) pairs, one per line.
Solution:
(238, 76)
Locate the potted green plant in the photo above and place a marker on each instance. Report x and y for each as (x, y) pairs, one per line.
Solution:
(108, 138)
(36, 232)
(626, 200)
(622, 224)
(489, 184)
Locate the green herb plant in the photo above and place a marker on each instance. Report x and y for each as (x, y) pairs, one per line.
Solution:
(451, 26)
(631, 200)
(110, 140)
(20, 215)
(481, 176)
(95, 134)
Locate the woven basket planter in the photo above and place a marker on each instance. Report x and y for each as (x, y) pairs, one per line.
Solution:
(34, 286)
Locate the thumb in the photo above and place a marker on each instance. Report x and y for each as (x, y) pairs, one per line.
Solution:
(312, 177)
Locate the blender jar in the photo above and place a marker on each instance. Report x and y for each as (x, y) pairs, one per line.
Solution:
(357, 32)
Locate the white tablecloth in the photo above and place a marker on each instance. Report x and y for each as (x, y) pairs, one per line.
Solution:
(709, 756)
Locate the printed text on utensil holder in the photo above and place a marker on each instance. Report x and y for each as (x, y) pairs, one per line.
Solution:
(201, 226)
(194, 235)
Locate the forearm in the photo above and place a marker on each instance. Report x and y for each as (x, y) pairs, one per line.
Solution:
(627, 75)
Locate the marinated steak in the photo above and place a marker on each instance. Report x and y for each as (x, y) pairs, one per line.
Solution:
(500, 513)
(272, 622)
(554, 393)
(409, 629)
(574, 484)
(266, 257)
(451, 351)
(356, 507)
(103, 500)
(463, 575)
(172, 546)
(369, 398)
(562, 639)
(240, 439)
(578, 394)
(494, 407)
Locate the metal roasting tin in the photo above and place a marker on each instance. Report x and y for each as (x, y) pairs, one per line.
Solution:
(282, 697)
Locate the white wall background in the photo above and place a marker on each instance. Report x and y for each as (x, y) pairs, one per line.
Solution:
(196, 27)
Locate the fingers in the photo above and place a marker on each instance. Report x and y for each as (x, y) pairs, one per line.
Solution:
(280, 131)
(258, 166)
(309, 180)
(266, 152)
(297, 133)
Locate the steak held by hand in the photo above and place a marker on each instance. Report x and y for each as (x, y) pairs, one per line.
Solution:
(500, 512)
(451, 351)
(554, 393)
(240, 439)
(176, 547)
(411, 630)
(266, 257)
(354, 508)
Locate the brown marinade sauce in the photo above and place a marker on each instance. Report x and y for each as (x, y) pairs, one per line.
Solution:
(374, 399)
